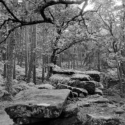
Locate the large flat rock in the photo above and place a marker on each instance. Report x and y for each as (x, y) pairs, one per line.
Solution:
(38, 104)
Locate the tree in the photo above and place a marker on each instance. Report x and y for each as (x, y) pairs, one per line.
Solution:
(10, 49)
(15, 13)
(111, 21)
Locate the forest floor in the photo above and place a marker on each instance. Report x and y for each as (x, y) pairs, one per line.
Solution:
(116, 105)
(116, 102)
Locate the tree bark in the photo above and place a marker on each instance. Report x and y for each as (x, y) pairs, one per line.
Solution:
(31, 58)
(5, 64)
(98, 64)
(9, 81)
(32, 62)
(53, 60)
(34, 54)
(26, 51)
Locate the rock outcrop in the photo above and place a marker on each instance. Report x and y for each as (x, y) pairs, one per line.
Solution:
(34, 105)
(87, 80)
(97, 119)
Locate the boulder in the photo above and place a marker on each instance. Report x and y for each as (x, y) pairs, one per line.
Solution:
(119, 110)
(98, 119)
(73, 83)
(99, 85)
(90, 87)
(70, 110)
(37, 104)
(95, 75)
(63, 86)
(59, 70)
(69, 116)
(45, 86)
(80, 91)
(99, 99)
(77, 83)
(111, 105)
(74, 94)
(73, 89)
(74, 120)
(81, 77)
(98, 91)
(57, 78)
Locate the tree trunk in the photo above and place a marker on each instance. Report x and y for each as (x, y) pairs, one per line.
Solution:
(5, 64)
(31, 58)
(34, 54)
(5, 70)
(10, 63)
(14, 68)
(34, 73)
(26, 51)
(53, 60)
(98, 63)
(119, 76)
(43, 68)
(32, 62)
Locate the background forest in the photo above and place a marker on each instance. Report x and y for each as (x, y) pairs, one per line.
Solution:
(62, 62)
(82, 35)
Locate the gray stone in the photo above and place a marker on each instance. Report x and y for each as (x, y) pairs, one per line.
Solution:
(74, 120)
(111, 105)
(73, 94)
(98, 91)
(63, 86)
(99, 85)
(70, 110)
(80, 91)
(90, 87)
(81, 77)
(98, 100)
(37, 104)
(98, 119)
(119, 110)
(45, 86)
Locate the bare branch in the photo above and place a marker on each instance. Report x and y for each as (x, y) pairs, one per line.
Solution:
(71, 44)
(6, 21)
(51, 14)
(79, 14)
(84, 13)
(9, 32)
(108, 26)
(92, 11)
(42, 9)
(26, 23)
(83, 7)
(7, 8)
(54, 2)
